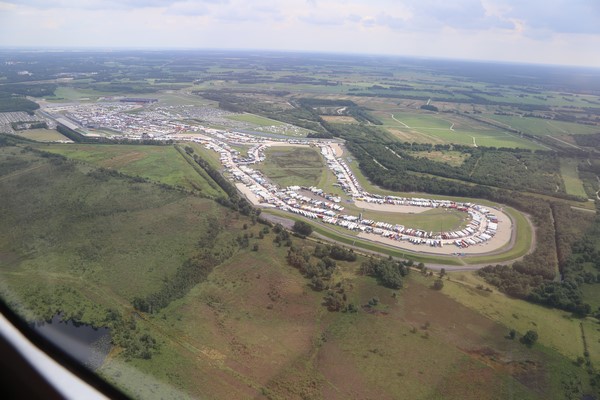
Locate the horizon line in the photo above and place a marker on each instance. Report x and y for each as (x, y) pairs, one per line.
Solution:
(109, 49)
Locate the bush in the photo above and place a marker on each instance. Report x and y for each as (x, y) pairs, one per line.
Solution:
(530, 338)
(302, 228)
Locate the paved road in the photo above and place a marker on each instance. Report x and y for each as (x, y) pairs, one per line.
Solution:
(288, 223)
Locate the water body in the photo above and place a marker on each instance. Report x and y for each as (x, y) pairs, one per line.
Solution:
(86, 344)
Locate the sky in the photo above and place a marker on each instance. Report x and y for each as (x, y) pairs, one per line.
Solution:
(565, 32)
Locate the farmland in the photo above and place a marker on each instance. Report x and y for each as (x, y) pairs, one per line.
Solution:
(536, 126)
(448, 128)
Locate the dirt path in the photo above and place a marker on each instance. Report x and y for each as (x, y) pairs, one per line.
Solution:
(474, 167)
(583, 209)
(400, 122)
(563, 142)
(21, 172)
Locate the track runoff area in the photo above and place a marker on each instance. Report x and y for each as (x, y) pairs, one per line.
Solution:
(486, 229)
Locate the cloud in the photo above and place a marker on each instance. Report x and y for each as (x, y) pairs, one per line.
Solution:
(109, 4)
(188, 8)
(316, 19)
(556, 16)
(512, 29)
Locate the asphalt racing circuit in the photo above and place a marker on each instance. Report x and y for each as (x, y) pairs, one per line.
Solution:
(487, 230)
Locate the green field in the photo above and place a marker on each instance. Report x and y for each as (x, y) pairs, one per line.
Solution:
(88, 230)
(449, 128)
(450, 157)
(435, 220)
(557, 329)
(542, 127)
(42, 135)
(65, 94)
(570, 176)
(159, 163)
(288, 166)
(256, 120)
(591, 295)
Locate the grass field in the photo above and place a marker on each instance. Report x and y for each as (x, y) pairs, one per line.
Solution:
(448, 128)
(557, 329)
(256, 120)
(431, 220)
(256, 311)
(339, 119)
(159, 163)
(43, 135)
(570, 176)
(65, 94)
(453, 158)
(591, 295)
(538, 126)
(64, 226)
(287, 166)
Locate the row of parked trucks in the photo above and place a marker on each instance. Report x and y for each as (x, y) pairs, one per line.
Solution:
(481, 228)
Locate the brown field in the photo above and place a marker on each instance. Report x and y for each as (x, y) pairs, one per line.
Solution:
(43, 135)
(340, 119)
(256, 329)
(454, 158)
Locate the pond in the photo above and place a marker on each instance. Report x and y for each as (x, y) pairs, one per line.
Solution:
(86, 344)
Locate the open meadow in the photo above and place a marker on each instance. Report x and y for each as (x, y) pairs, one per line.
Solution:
(436, 220)
(442, 128)
(288, 166)
(158, 163)
(256, 120)
(43, 135)
(570, 175)
(537, 126)
(557, 329)
(100, 234)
